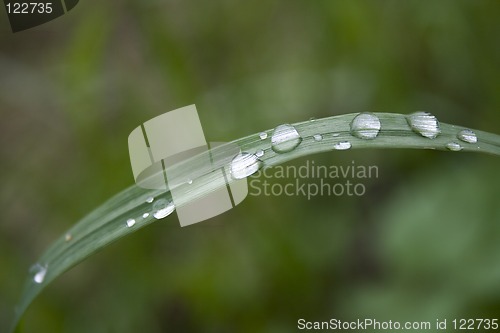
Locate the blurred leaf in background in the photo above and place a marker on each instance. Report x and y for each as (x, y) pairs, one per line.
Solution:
(421, 244)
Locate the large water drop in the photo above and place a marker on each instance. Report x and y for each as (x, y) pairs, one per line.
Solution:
(163, 208)
(244, 164)
(424, 124)
(467, 135)
(285, 138)
(365, 126)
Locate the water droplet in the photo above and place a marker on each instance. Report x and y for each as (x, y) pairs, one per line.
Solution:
(342, 145)
(259, 153)
(263, 135)
(40, 271)
(424, 124)
(163, 208)
(130, 223)
(285, 138)
(145, 215)
(312, 119)
(453, 146)
(190, 181)
(335, 135)
(318, 137)
(244, 164)
(150, 199)
(467, 135)
(365, 126)
(68, 237)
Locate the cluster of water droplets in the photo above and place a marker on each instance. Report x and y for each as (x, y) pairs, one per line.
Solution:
(428, 126)
(161, 208)
(286, 138)
(465, 135)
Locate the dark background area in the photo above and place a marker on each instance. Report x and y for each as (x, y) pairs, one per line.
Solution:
(421, 244)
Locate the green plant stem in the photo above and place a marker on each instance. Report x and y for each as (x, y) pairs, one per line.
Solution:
(106, 224)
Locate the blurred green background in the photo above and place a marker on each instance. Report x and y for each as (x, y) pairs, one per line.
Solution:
(422, 244)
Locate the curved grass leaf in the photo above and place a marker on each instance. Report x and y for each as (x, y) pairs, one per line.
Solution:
(108, 223)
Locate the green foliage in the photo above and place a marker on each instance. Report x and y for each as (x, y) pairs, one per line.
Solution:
(73, 89)
(109, 222)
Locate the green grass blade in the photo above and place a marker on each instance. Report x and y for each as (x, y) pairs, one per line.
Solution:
(107, 223)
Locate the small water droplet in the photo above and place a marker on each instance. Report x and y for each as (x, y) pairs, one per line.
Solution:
(335, 135)
(244, 164)
(312, 119)
(467, 135)
(263, 135)
(190, 181)
(39, 272)
(365, 126)
(130, 223)
(259, 153)
(342, 145)
(318, 137)
(145, 215)
(424, 124)
(285, 138)
(453, 146)
(150, 199)
(163, 208)
(68, 237)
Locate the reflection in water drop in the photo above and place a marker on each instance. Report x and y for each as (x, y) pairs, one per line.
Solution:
(424, 124)
(163, 208)
(244, 164)
(318, 137)
(453, 146)
(365, 126)
(285, 138)
(130, 223)
(263, 135)
(39, 272)
(467, 135)
(342, 145)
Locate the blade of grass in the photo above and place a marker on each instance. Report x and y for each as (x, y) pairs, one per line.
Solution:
(108, 223)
